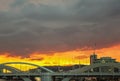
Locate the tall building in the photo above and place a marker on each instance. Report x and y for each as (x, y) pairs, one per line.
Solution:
(93, 58)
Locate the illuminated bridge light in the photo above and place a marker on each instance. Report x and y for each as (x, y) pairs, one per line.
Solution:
(37, 78)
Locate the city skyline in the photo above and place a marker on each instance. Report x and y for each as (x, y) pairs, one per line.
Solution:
(58, 32)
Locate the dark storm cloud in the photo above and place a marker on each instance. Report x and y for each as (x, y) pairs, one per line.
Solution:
(37, 59)
(97, 8)
(27, 28)
(18, 3)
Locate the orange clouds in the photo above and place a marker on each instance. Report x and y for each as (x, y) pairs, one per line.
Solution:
(63, 58)
(113, 51)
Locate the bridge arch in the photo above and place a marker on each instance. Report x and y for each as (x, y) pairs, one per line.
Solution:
(41, 67)
(12, 69)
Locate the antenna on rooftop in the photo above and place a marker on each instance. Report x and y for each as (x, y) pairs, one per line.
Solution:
(94, 48)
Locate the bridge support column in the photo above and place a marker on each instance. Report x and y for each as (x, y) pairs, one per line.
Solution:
(67, 79)
(46, 77)
(118, 79)
(2, 80)
(25, 79)
(82, 79)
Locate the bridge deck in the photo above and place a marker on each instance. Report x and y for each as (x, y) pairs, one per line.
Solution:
(62, 74)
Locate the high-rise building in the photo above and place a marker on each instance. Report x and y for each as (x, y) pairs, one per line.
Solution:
(93, 58)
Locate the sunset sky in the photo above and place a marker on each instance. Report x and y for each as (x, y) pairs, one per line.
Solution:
(59, 32)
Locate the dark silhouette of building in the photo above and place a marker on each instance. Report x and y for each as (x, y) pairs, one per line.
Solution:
(94, 59)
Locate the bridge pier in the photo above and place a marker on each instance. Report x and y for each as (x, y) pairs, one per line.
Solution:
(25, 79)
(82, 78)
(46, 77)
(2, 80)
(67, 79)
